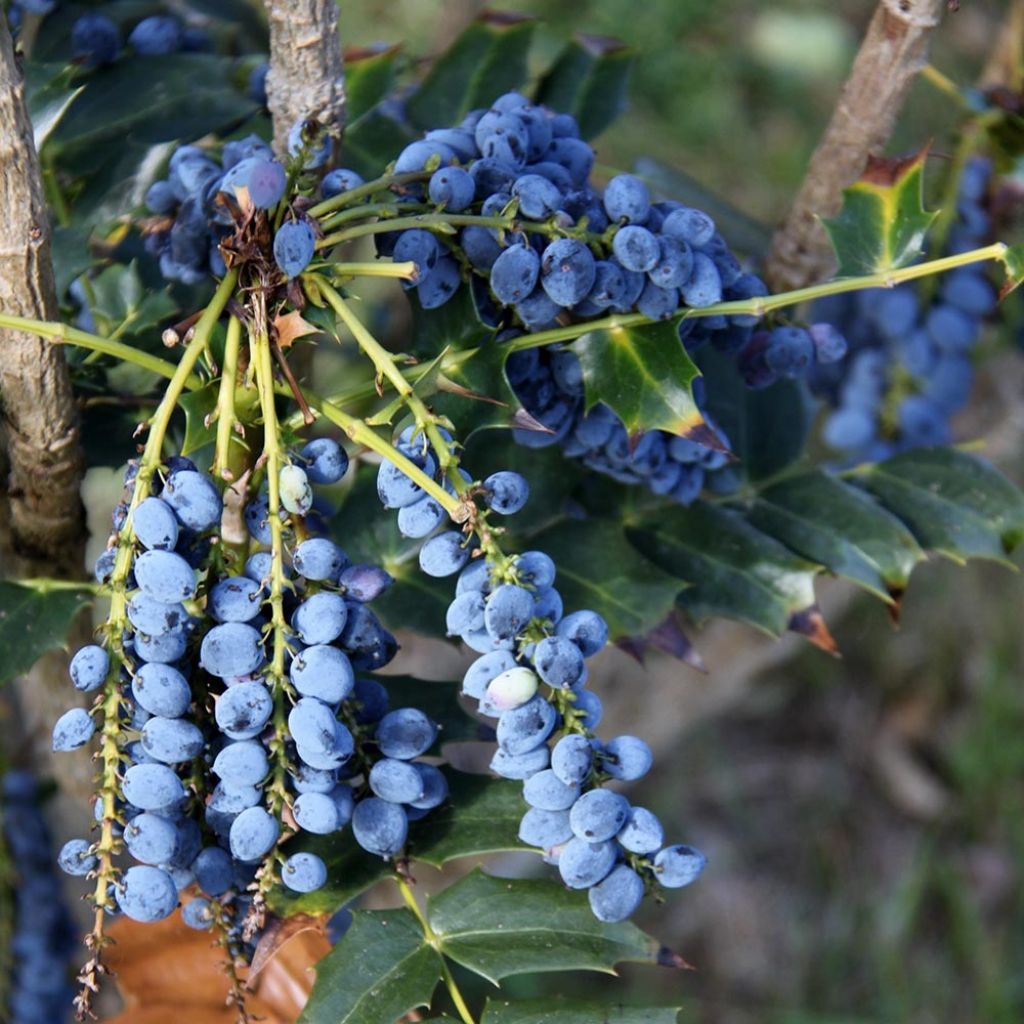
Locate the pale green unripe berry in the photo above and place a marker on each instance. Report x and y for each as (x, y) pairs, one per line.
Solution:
(296, 494)
(513, 687)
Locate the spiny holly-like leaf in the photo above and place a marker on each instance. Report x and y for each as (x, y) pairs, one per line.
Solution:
(474, 392)
(498, 927)
(766, 427)
(190, 95)
(645, 376)
(380, 970)
(120, 302)
(572, 1011)
(882, 223)
(32, 621)
(589, 80)
(842, 528)
(198, 406)
(1013, 262)
(488, 59)
(481, 816)
(734, 570)
(48, 94)
(598, 568)
(369, 76)
(953, 503)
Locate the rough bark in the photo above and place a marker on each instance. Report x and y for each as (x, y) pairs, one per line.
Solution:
(894, 50)
(306, 77)
(42, 527)
(40, 421)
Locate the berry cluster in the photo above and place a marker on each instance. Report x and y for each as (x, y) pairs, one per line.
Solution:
(577, 254)
(531, 676)
(195, 207)
(96, 39)
(909, 369)
(248, 729)
(43, 934)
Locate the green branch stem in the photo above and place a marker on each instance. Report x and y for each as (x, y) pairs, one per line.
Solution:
(431, 939)
(386, 366)
(226, 417)
(369, 188)
(760, 306)
(63, 334)
(381, 268)
(273, 454)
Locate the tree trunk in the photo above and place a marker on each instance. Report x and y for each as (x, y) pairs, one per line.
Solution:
(43, 522)
(894, 50)
(307, 78)
(40, 421)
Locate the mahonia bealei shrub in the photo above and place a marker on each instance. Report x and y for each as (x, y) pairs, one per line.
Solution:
(908, 370)
(577, 254)
(216, 772)
(531, 677)
(42, 934)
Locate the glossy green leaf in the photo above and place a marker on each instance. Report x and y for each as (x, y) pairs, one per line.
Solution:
(120, 302)
(599, 568)
(734, 570)
(380, 970)
(840, 527)
(48, 95)
(1013, 264)
(198, 406)
(645, 376)
(589, 80)
(481, 816)
(882, 223)
(767, 428)
(953, 503)
(573, 1011)
(499, 927)
(192, 95)
(32, 622)
(487, 60)
(369, 76)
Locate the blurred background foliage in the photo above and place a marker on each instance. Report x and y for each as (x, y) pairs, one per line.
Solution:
(863, 817)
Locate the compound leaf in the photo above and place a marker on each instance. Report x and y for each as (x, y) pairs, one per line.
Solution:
(380, 970)
(32, 621)
(839, 526)
(953, 503)
(734, 570)
(882, 222)
(498, 927)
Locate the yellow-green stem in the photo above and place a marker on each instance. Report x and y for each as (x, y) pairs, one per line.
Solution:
(366, 189)
(226, 418)
(273, 456)
(760, 306)
(62, 334)
(383, 268)
(432, 940)
(387, 367)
